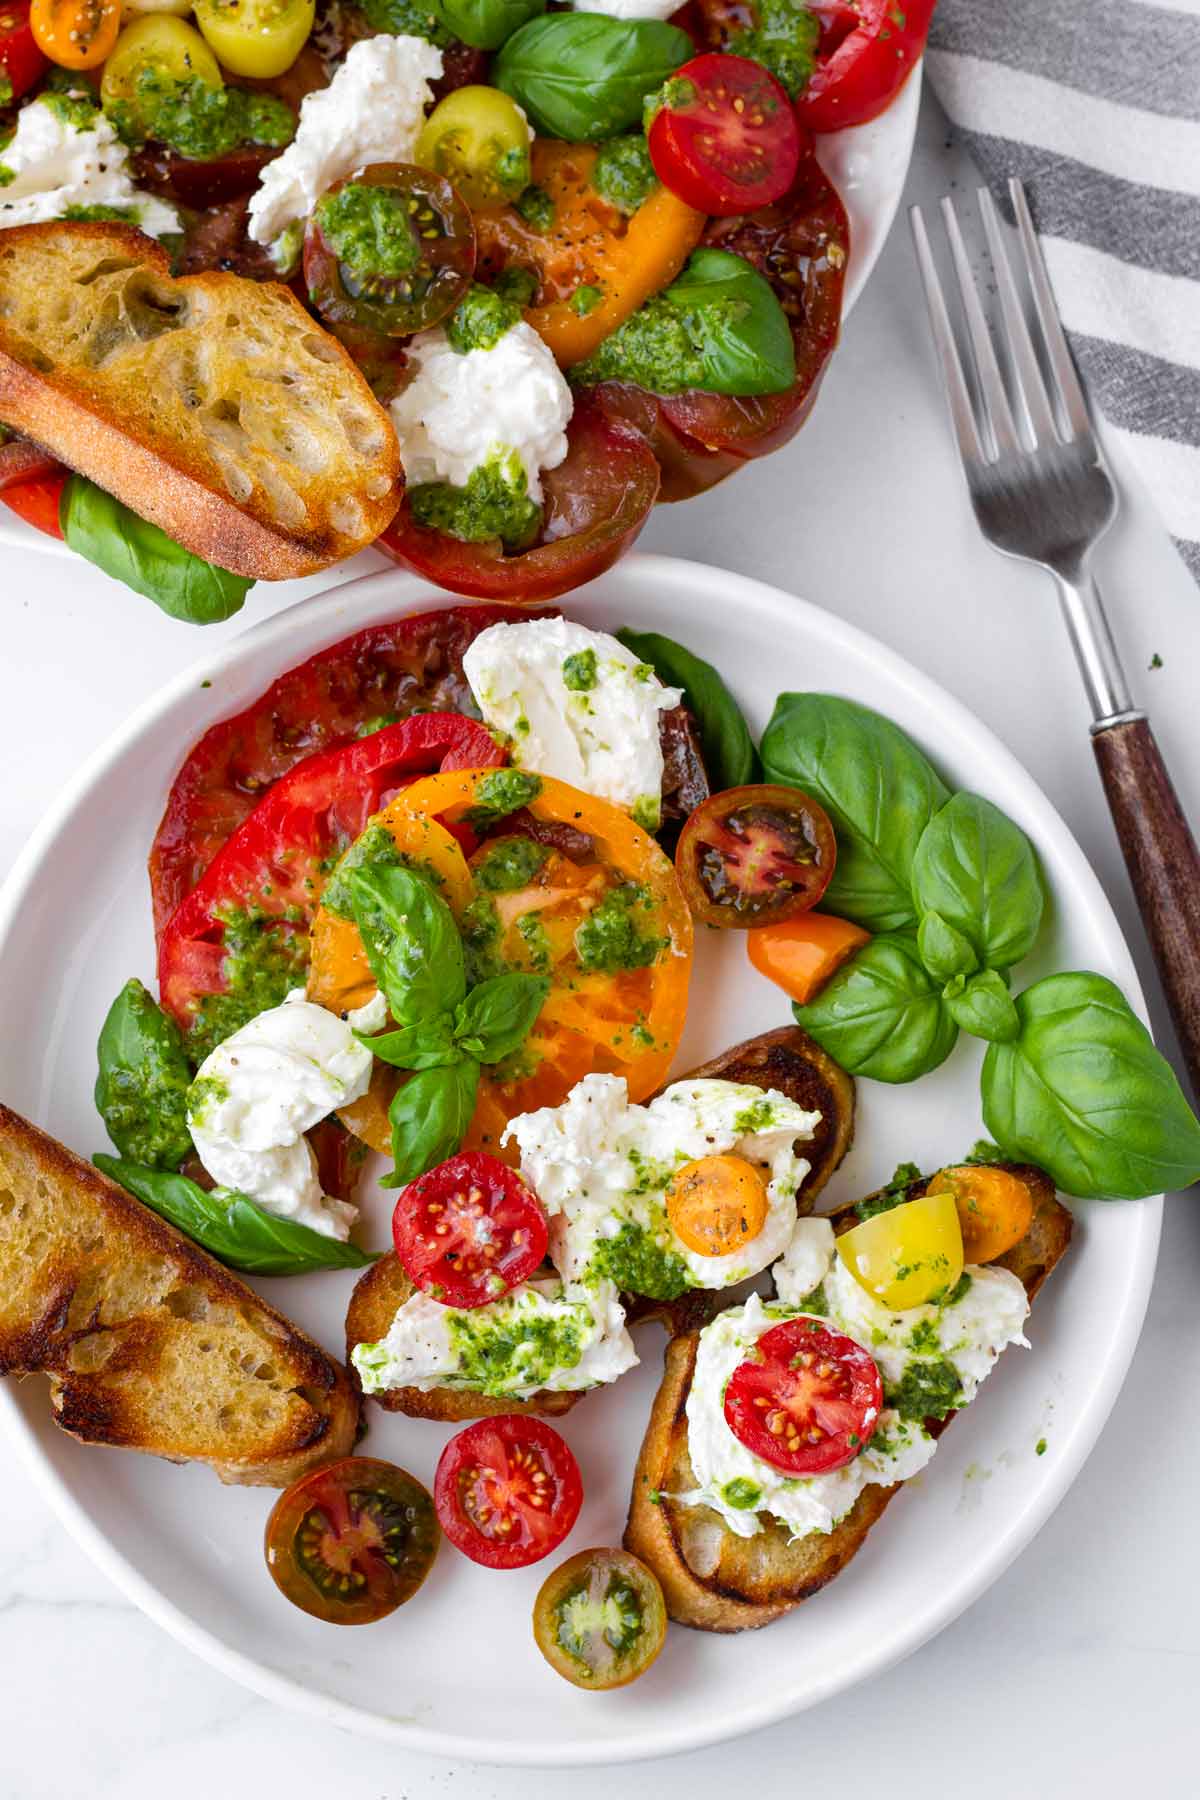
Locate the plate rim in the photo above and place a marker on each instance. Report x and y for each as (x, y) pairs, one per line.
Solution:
(662, 1739)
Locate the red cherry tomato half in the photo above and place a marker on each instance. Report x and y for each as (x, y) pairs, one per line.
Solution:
(808, 1401)
(866, 52)
(725, 139)
(34, 497)
(469, 1230)
(507, 1491)
(351, 1542)
(20, 58)
(755, 855)
(596, 502)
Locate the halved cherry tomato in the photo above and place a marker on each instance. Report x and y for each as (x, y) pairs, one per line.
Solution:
(725, 137)
(716, 1204)
(866, 53)
(908, 1256)
(507, 1491)
(807, 1401)
(995, 1208)
(429, 232)
(802, 953)
(600, 1619)
(351, 1542)
(377, 676)
(75, 34)
(469, 1231)
(478, 139)
(36, 499)
(258, 897)
(256, 37)
(20, 58)
(755, 855)
(596, 503)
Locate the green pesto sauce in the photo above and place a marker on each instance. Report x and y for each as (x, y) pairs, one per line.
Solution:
(741, 1494)
(894, 1194)
(369, 230)
(579, 1619)
(1039, 1449)
(509, 864)
(579, 671)
(533, 932)
(499, 1353)
(536, 208)
(199, 121)
(6, 89)
(495, 503)
(479, 929)
(481, 319)
(640, 1265)
(651, 1174)
(758, 1116)
(961, 1287)
(612, 936)
(654, 348)
(586, 299)
(927, 1390)
(784, 40)
(262, 964)
(924, 1339)
(127, 214)
(623, 174)
(380, 722)
(144, 1106)
(816, 1302)
(205, 1091)
(407, 18)
(375, 849)
(502, 791)
(72, 104)
(516, 284)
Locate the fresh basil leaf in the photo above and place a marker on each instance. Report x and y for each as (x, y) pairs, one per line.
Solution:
(880, 793)
(977, 870)
(729, 753)
(429, 1117)
(1083, 1092)
(881, 1015)
(982, 1005)
(134, 551)
(745, 340)
(500, 792)
(583, 76)
(497, 1016)
(411, 940)
(231, 1227)
(944, 951)
(142, 1080)
(486, 24)
(427, 1045)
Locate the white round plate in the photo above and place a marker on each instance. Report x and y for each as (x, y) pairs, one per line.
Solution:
(457, 1671)
(868, 165)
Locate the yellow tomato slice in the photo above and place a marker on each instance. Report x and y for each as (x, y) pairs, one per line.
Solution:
(716, 1204)
(907, 1256)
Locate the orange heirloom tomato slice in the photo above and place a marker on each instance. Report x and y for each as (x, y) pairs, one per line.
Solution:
(995, 1208)
(75, 34)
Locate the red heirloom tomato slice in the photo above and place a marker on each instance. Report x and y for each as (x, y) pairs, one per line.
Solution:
(755, 855)
(469, 1230)
(596, 502)
(507, 1491)
(725, 138)
(20, 58)
(377, 676)
(808, 1401)
(261, 891)
(351, 1542)
(31, 485)
(866, 52)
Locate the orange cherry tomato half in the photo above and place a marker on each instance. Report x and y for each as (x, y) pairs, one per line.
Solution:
(75, 34)
(725, 138)
(755, 855)
(716, 1204)
(600, 1619)
(469, 1230)
(801, 954)
(809, 1400)
(507, 1491)
(351, 1542)
(995, 1208)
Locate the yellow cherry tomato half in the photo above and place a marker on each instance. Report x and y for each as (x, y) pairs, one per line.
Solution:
(75, 34)
(995, 1208)
(174, 51)
(260, 38)
(477, 138)
(907, 1256)
(716, 1204)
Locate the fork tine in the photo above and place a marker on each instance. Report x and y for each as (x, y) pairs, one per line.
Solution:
(1020, 344)
(997, 412)
(1058, 350)
(961, 411)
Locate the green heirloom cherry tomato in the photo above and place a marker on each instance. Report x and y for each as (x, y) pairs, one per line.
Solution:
(351, 1542)
(170, 48)
(477, 138)
(600, 1619)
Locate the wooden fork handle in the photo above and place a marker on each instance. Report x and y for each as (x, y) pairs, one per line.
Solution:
(1164, 867)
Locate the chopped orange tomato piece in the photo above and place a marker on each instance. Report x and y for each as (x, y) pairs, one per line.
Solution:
(801, 954)
(995, 1208)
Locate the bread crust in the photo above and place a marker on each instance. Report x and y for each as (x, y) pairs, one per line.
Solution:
(715, 1581)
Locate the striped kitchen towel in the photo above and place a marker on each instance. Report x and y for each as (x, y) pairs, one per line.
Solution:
(1095, 105)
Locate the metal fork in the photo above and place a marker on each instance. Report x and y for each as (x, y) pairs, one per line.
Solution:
(1043, 493)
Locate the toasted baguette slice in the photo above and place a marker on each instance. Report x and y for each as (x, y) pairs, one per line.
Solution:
(150, 1344)
(718, 1582)
(212, 405)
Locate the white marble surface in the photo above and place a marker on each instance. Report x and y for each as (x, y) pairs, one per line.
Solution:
(1081, 1664)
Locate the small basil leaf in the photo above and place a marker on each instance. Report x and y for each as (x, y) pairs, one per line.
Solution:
(729, 753)
(429, 1117)
(732, 311)
(978, 871)
(943, 950)
(982, 1006)
(142, 1080)
(881, 1014)
(497, 1016)
(880, 793)
(231, 1227)
(486, 24)
(428, 1045)
(132, 550)
(411, 940)
(1083, 1092)
(583, 76)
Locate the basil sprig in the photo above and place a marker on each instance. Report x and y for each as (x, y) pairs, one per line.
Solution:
(134, 551)
(142, 1080)
(443, 1031)
(583, 76)
(232, 1227)
(729, 753)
